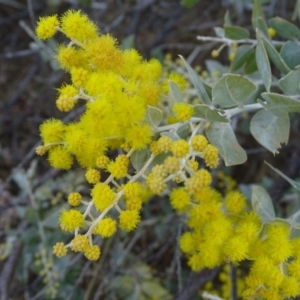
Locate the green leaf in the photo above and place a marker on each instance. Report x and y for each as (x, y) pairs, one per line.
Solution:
(275, 57)
(258, 18)
(219, 31)
(197, 83)
(189, 3)
(285, 28)
(270, 130)
(242, 54)
(280, 105)
(175, 93)
(184, 131)
(293, 183)
(153, 115)
(232, 90)
(236, 32)
(206, 112)
(262, 204)
(227, 19)
(263, 64)
(139, 157)
(290, 83)
(222, 136)
(290, 53)
(250, 65)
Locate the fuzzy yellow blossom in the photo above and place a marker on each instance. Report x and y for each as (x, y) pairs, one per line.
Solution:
(193, 164)
(180, 199)
(77, 25)
(211, 156)
(47, 27)
(290, 287)
(74, 199)
(180, 148)
(133, 189)
(92, 176)
(70, 57)
(69, 220)
(60, 158)
(102, 162)
(118, 168)
(249, 230)
(80, 243)
(150, 92)
(188, 243)
(183, 111)
(66, 100)
(41, 150)
(156, 184)
(92, 252)
(106, 227)
(129, 219)
(79, 76)
(159, 171)
(207, 195)
(236, 249)
(103, 196)
(199, 143)
(154, 148)
(271, 32)
(178, 79)
(200, 179)
(294, 268)
(217, 230)
(195, 262)
(52, 131)
(139, 136)
(171, 164)
(134, 203)
(235, 202)
(132, 59)
(164, 144)
(59, 249)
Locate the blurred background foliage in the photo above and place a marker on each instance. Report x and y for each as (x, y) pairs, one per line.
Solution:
(145, 264)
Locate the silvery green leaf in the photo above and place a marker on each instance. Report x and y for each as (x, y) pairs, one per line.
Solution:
(232, 90)
(222, 136)
(207, 113)
(269, 130)
(197, 83)
(184, 131)
(219, 31)
(172, 136)
(280, 105)
(290, 83)
(262, 204)
(293, 183)
(285, 28)
(153, 115)
(258, 18)
(242, 54)
(263, 64)
(290, 53)
(139, 157)
(227, 19)
(175, 93)
(236, 32)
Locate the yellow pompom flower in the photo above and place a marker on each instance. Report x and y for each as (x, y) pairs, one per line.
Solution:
(79, 76)
(180, 148)
(195, 262)
(211, 156)
(183, 111)
(102, 162)
(193, 164)
(66, 100)
(119, 168)
(74, 199)
(129, 219)
(290, 287)
(106, 227)
(199, 143)
(159, 171)
(211, 254)
(235, 202)
(139, 136)
(103, 196)
(180, 199)
(207, 195)
(197, 181)
(70, 57)
(188, 243)
(217, 230)
(59, 249)
(52, 131)
(60, 158)
(41, 150)
(177, 78)
(80, 243)
(47, 27)
(77, 25)
(215, 53)
(150, 92)
(92, 176)
(172, 164)
(156, 184)
(132, 59)
(92, 252)
(134, 203)
(164, 144)
(236, 249)
(69, 220)
(271, 32)
(294, 268)
(133, 189)
(249, 230)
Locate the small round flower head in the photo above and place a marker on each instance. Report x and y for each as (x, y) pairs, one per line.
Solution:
(150, 92)
(294, 268)
(290, 287)
(207, 195)
(236, 249)
(200, 179)
(159, 171)
(139, 136)
(41, 150)
(215, 53)
(199, 143)
(132, 189)
(102, 161)
(118, 168)
(187, 243)
(92, 176)
(156, 184)
(46, 27)
(92, 252)
(134, 203)
(129, 219)
(52, 131)
(210, 155)
(235, 202)
(59, 249)
(60, 158)
(70, 57)
(154, 148)
(80, 243)
(172, 164)
(180, 199)
(74, 199)
(103, 196)
(106, 227)
(69, 220)
(183, 111)
(271, 32)
(180, 148)
(196, 262)
(193, 164)
(164, 144)
(79, 76)
(65, 103)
